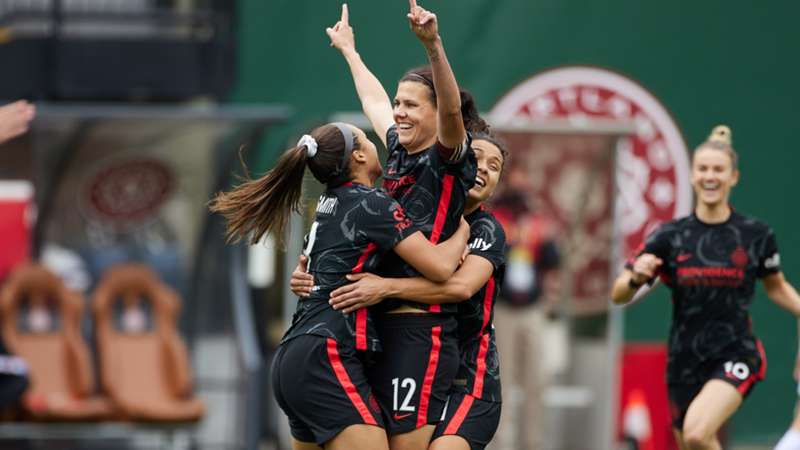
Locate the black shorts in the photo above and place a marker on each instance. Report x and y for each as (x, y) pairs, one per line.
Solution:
(741, 373)
(471, 418)
(411, 378)
(322, 388)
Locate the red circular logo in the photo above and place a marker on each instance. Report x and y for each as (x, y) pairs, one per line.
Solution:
(653, 184)
(739, 257)
(125, 194)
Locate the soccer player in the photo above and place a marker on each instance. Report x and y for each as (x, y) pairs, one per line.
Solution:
(710, 260)
(473, 409)
(429, 170)
(318, 372)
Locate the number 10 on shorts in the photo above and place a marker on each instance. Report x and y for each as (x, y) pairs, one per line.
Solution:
(737, 369)
(411, 386)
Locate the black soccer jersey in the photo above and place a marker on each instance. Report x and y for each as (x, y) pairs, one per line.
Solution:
(355, 226)
(711, 270)
(432, 187)
(479, 371)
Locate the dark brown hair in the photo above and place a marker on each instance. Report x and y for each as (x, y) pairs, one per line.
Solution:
(469, 110)
(263, 205)
(721, 138)
(499, 143)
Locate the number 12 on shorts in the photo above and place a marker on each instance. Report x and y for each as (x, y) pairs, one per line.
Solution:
(411, 386)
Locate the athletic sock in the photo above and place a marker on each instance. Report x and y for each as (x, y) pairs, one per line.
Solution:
(789, 441)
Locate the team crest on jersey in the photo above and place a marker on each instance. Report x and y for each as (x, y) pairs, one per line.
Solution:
(739, 257)
(399, 215)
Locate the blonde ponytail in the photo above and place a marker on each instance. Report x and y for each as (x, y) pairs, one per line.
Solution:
(721, 138)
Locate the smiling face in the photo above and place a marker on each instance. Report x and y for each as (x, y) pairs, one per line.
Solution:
(415, 116)
(490, 166)
(365, 159)
(713, 177)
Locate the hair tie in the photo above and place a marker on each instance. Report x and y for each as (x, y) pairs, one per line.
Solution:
(310, 143)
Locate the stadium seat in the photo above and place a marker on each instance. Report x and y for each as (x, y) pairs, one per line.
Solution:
(40, 320)
(144, 366)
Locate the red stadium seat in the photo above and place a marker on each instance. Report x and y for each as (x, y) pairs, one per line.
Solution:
(144, 366)
(40, 320)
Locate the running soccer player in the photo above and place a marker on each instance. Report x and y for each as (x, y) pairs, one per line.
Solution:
(318, 372)
(711, 261)
(429, 170)
(473, 409)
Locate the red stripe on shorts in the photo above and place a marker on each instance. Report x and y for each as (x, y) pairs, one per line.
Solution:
(762, 371)
(430, 375)
(460, 415)
(361, 314)
(349, 388)
(480, 363)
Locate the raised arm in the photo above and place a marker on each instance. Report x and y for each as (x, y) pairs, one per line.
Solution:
(435, 262)
(15, 119)
(629, 281)
(369, 289)
(782, 293)
(424, 24)
(374, 101)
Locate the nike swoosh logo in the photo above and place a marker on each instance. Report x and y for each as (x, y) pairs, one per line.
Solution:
(683, 257)
(402, 416)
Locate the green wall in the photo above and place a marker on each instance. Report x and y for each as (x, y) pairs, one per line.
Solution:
(708, 61)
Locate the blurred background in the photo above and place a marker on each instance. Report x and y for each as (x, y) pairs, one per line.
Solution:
(143, 108)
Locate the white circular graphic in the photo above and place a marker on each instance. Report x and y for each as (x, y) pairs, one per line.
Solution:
(653, 184)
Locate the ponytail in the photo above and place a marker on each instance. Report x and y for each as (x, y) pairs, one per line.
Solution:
(473, 122)
(261, 206)
(721, 138)
(264, 205)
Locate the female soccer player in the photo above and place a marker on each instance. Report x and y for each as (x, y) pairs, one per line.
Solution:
(430, 169)
(473, 410)
(710, 260)
(318, 371)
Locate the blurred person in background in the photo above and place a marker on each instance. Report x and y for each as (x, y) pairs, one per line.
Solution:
(15, 119)
(526, 303)
(710, 260)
